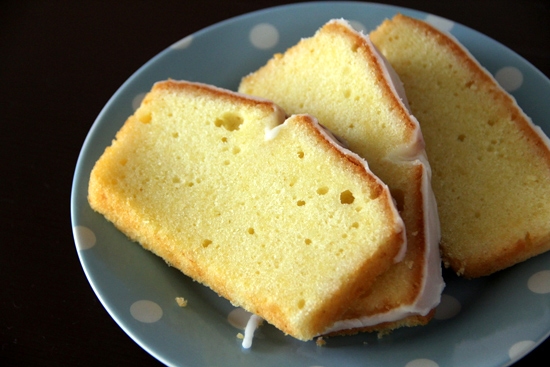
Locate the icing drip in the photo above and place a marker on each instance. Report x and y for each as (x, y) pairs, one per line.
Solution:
(253, 322)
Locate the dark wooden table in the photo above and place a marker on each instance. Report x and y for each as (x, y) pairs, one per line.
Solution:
(60, 62)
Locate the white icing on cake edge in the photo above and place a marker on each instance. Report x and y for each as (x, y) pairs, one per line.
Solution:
(432, 282)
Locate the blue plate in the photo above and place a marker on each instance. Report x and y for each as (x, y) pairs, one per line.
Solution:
(492, 321)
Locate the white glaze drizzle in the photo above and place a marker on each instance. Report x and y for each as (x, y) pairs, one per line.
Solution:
(253, 323)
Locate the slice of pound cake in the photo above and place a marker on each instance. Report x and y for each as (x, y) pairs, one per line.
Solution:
(491, 165)
(338, 76)
(273, 215)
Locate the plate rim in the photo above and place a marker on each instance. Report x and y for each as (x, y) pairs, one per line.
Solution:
(97, 124)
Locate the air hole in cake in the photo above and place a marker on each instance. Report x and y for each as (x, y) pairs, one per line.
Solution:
(226, 163)
(347, 93)
(224, 140)
(477, 214)
(491, 122)
(461, 137)
(307, 241)
(301, 203)
(176, 180)
(123, 161)
(301, 303)
(175, 135)
(206, 243)
(300, 154)
(230, 121)
(355, 225)
(322, 190)
(346, 197)
(351, 126)
(399, 198)
(190, 184)
(250, 230)
(236, 150)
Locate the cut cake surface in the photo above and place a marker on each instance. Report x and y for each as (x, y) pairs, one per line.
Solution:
(491, 165)
(338, 76)
(272, 214)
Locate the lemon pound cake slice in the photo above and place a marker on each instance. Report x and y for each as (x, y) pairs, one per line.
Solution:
(337, 76)
(272, 214)
(491, 165)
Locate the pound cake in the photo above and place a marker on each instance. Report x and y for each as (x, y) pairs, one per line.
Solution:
(491, 164)
(338, 76)
(272, 214)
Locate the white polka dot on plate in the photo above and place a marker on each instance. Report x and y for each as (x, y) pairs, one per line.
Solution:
(264, 36)
(539, 282)
(358, 26)
(448, 308)
(519, 349)
(136, 102)
(84, 237)
(146, 311)
(238, 318)
(422, 362)
(509, 78)
(442, 24)
(183, 43)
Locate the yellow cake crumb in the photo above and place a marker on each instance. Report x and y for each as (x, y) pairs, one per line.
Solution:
(182, 302)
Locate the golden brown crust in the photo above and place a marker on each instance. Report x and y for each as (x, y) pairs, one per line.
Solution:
(387, 327)
(518, 252)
